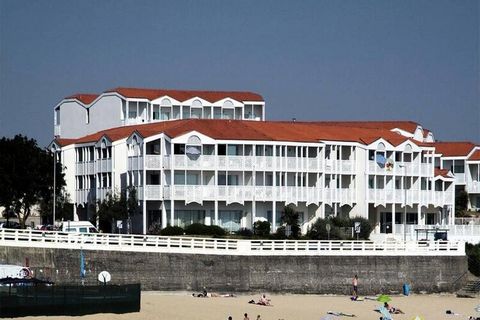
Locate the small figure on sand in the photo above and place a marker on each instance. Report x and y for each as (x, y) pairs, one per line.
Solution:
(355, 286)
(245, 317)
(392, 309)
(264, 301)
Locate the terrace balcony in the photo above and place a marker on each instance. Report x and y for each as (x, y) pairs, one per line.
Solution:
(85, 168)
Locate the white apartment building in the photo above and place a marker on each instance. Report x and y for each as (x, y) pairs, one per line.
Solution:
(194, 156)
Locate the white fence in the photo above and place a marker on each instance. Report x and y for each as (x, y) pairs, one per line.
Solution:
(191, 245)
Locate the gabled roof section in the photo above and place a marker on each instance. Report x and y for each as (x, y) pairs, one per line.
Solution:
(251, 130)
(475, 156)
(409, 126)
(85, 98)
(64, 142)
(183, 95)
(444, 173)
(454, 148)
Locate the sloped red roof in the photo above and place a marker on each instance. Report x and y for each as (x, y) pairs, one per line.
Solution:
(64, 142)
(454, 148)
(409, 126)
(441, 173)
(250, 130)
(475, 156)
(85, 98)
(182, 95)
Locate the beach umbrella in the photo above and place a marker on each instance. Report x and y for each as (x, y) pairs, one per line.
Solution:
(384, 298)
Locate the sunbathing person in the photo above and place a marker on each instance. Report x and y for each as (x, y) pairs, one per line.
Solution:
(392, 309)
(264, 301)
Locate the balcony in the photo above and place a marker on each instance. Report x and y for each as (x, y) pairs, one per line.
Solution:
(240, 194)
(473, 187)
(57, 131)
(102, 193)
(153, 192)
(135, 163)
(104, 165)
(83, 196)
(459, 178)
(153, 162)
(85, 168)
(343, 195)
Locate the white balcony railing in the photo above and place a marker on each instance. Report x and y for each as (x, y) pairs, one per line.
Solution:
(473, 187)
(459, 178)
(188, 245)
(135, 163)
(104, 165)
(102, 193)
(153, 162)
(469, 233)
(153, 192)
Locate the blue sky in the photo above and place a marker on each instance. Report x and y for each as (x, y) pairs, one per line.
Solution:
(312, 60)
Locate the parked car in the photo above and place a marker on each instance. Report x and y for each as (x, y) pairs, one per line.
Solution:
(10, 225)
(78, 227)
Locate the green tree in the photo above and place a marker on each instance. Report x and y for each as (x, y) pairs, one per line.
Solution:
(26, 175)
(291, 219)
(117, 206)
(63, 207)
(261, 228)
(461, 202)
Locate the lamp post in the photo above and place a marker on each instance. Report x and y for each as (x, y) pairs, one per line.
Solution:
(54, 150)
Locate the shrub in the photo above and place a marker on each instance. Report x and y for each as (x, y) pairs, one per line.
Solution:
(196, 229)
(473, 254)
(155, 229)
(245, 232)
(216, 231)
(172, 231)
(261, 228)
(338, 225)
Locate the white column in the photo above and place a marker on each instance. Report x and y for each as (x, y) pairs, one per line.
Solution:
(164, 215)
(172, 212)
(254, 212)
(216, 211)
(393, 218)
(274, 216)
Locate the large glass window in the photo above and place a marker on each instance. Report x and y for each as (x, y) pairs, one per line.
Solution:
(185, 218)
(230, 219)
(156, 112)
(165, 113)
(179, 177)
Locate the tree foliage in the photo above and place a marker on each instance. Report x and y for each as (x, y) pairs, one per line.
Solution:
(261, 228)
(339, 228)
(26, 176)
(473, 254)
(291, 220)
(461, 202)
(117, 206)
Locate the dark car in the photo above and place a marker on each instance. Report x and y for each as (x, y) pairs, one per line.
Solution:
(10, 225)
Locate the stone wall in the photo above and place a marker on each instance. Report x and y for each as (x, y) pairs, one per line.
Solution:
(295, 274)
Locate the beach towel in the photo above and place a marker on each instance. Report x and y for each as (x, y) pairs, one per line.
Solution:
(385, 314)
(357, 298)
(340, 314)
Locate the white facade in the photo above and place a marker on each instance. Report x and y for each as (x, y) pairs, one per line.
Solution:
(78, 116)
(198, 171)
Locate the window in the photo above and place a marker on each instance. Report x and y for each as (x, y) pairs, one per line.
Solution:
(185, 218)
(186, 112)
(269, 151)
(233, 180)
(156, 112)
(230, 219)
(179, 178)
(178, 149)
(259, 151)
(165, 113)
(217, 113)
(222, 178)
(207, 112)
(222, 149)
(193, 178)
(196, 113)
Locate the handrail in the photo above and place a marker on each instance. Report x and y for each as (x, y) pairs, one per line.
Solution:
(194, 245)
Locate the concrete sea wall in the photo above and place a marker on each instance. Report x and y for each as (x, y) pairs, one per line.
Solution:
(229, 273)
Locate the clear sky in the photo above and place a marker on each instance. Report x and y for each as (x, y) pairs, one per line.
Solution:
(312, 60)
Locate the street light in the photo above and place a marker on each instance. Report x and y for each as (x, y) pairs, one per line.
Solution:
(54, 150)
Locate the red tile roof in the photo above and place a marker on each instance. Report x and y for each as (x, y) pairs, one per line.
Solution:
(475, 156)
(454, 148)
(251, 130)
(441, 173)
(64, 142)
(182, 95)
(409, 126)
(85, 98)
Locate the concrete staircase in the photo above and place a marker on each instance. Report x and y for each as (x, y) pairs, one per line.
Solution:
(471, 289)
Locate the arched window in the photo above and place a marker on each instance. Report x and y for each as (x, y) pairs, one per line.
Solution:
(193, 149)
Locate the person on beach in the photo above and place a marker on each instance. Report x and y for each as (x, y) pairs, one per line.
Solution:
(392, 309)
(229, 317)
(264, 301)
(258, 317)
(245, 317)
(355, 286)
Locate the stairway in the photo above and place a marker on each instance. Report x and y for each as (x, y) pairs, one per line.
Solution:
(470, 290)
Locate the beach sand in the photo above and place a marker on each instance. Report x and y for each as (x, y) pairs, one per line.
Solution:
(182, 306)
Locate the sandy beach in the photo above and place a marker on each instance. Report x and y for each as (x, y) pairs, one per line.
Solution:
(182, 306)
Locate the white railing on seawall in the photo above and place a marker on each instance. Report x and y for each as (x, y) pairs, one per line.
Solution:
(193, 245)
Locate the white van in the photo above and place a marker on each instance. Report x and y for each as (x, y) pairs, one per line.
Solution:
(78, 227)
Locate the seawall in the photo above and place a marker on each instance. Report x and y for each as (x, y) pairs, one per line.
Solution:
(231, 273)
